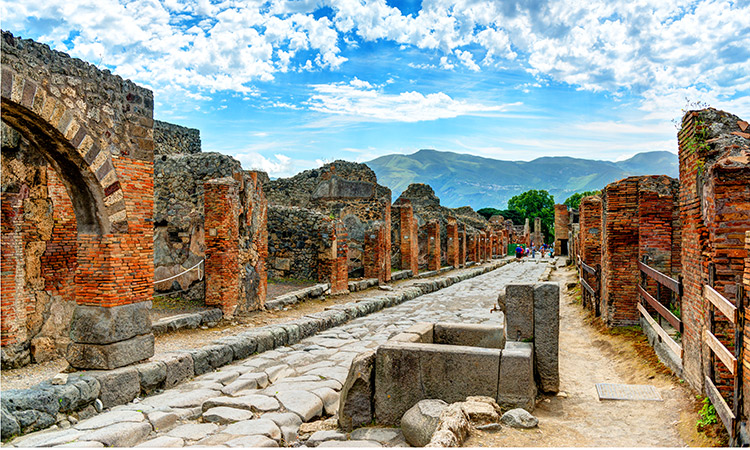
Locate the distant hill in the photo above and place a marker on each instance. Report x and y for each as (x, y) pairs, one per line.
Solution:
(460, 179)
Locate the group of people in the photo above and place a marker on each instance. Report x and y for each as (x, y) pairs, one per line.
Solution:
(545, 251)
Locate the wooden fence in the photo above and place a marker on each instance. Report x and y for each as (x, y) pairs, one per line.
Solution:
(732, 360)
(591, 294)
(663, 313)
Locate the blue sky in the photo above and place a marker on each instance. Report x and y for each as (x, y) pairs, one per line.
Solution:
(287, 85)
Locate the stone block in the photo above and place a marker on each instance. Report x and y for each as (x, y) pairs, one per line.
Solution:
(219, 355)
(98, 325)
(519, 312)
(111, 356)
(547, 335)
(118, 387)
(152, 375)
(424, 329)
(407, 372)
(516, 387)
(180, 367)
(201, 362)
(472, 335)
(453, 372)
(356, 396)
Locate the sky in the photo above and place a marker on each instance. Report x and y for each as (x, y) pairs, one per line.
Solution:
(288, 85)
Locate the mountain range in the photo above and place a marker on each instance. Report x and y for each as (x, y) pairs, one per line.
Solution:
(460, 179)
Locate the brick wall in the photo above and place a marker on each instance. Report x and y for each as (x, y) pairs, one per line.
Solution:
(714, 191)
(433, 245)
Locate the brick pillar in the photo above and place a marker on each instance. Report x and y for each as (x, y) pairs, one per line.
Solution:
(452, 230)
(339, 273)
(375, 256)
(472, 247)
(620, 273)
(538, 232)
(409, 239)
(114, 280)
(433, 245)
(461, 244)
(13, 328)
(221, 212)
(590, 234)
(387, 224)
(562, 222)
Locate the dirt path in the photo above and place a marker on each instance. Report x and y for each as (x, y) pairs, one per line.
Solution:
(589, 354)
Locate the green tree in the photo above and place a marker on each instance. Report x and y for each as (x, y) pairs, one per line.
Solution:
(511, 214)
(574, 201)
(489, 212)
(536, 203)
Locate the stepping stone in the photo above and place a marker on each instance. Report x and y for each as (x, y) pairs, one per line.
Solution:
(285, 419)
(252, 402)
(224, 415)
(277, 372)
(349, 444)
(48, 438)
(256, 427)
(252, 441)
(240, 385)
(305, 404)
(81, 444)
(215, 440)
(224, 377)
(195, 385)
(181, 399)
(162, 420)
(125, 434)
(261, 378)
(330, 400)
(193, 431)
(389, 437)
(162, 442)
(325, 435)
(301, 386)
(337, 373)
(109, 418)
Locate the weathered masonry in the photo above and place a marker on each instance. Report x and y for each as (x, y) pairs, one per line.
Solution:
(562, 223)
(675, 257)
(84, 151)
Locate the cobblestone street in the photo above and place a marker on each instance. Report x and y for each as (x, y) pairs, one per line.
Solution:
(266, 400)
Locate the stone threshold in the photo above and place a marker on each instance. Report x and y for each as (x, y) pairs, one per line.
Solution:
(45, 404)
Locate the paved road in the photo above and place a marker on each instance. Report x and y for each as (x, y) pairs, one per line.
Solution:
(265, 399)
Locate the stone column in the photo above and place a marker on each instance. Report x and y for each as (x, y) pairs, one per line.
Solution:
(538, 232)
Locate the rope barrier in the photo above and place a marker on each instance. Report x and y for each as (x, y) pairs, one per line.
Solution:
(200, 276)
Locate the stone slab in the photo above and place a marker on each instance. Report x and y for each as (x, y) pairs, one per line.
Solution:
(519, 312)
(516, 386)
(110, 356)
(472, 335)
(547, 335)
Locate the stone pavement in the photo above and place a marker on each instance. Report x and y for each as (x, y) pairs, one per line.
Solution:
(270, 399)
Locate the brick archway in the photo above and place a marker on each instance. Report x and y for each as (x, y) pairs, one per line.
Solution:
(69, 147)
(95, 131)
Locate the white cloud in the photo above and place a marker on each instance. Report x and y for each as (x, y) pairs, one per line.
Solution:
(360, 101)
